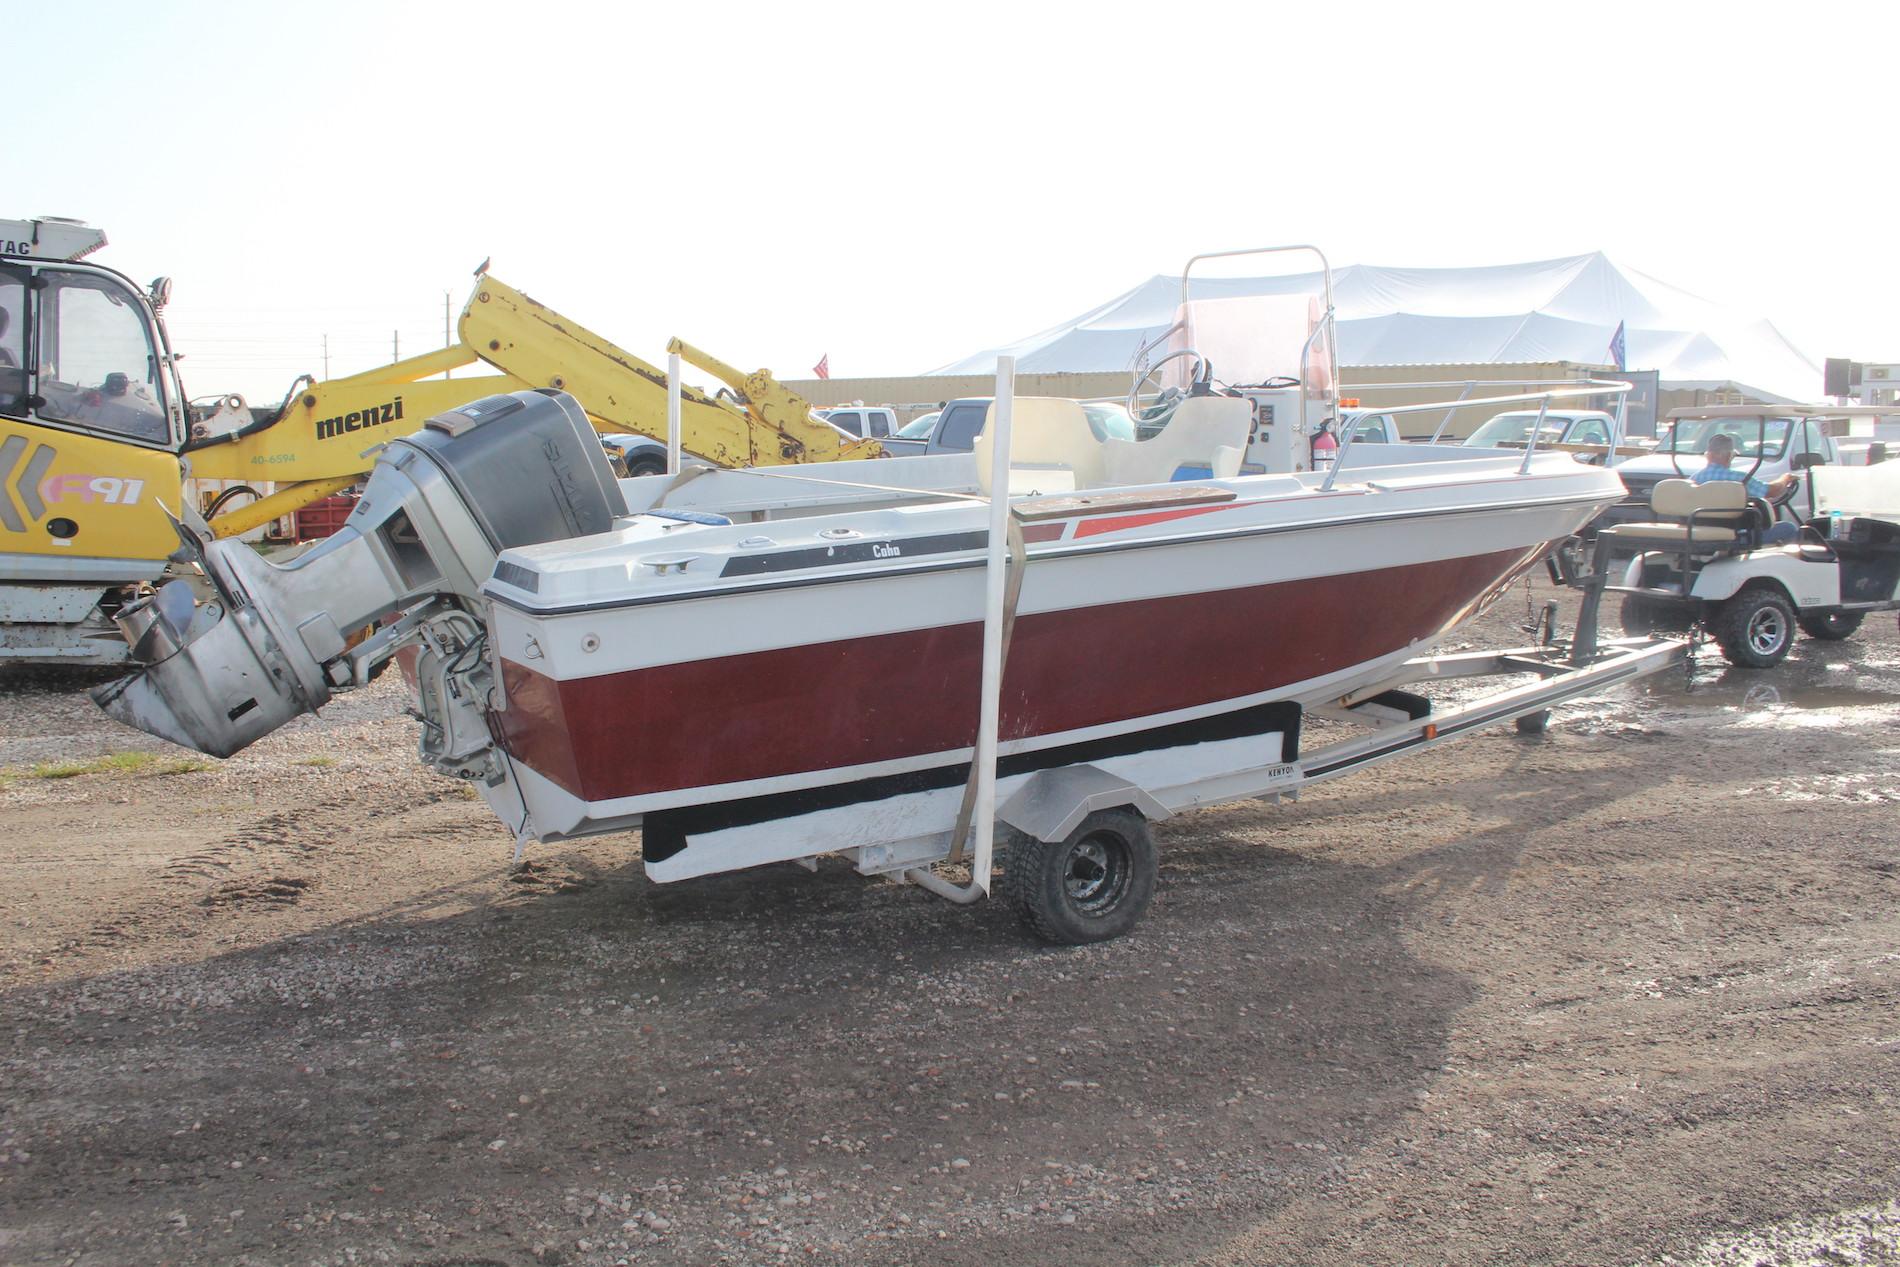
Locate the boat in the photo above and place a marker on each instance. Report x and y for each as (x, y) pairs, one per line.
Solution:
(731, 647)
(671, 664)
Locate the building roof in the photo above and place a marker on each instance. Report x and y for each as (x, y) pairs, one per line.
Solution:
(1539, 312)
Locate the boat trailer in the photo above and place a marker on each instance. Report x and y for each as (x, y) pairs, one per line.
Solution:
(1079, 858)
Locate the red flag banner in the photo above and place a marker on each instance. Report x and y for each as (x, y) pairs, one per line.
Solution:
(823, 368)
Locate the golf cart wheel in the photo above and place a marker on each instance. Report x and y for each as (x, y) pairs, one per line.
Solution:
(1755, 629)
(1090, 886)
(1642, 615)
(1832, 627)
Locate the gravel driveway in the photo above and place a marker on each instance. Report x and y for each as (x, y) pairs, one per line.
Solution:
(1623, 993)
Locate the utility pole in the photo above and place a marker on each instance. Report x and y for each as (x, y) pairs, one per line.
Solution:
(326, 358)
(446, 341)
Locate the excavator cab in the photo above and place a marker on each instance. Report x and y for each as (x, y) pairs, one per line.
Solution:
(99, 363)
(92, 418)
(99, 448)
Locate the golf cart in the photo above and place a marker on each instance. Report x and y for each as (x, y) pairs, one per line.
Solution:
(1702, 559)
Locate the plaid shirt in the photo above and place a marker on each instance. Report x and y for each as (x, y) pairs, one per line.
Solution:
(1712, 474)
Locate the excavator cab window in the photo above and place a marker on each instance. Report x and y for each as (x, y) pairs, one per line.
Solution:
(98, 368)
(12, 341)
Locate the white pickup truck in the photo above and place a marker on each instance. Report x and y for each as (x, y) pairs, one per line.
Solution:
(1505, 430)
(1768, 443)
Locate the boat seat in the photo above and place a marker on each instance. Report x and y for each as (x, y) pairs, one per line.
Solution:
(1045, 432)
(1204, 439)
(1711, 514)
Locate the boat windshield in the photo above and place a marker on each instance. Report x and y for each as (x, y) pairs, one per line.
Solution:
(1689, 437)
(1515, 429)
(919, 428)
(1110, 421)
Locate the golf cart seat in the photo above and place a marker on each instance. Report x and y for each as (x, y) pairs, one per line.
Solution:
(1712, 515)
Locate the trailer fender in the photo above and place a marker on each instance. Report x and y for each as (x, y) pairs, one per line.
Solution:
(1809, 583)
(1050, 803)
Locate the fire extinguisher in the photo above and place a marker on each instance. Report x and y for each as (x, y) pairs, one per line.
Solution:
(1325, 446)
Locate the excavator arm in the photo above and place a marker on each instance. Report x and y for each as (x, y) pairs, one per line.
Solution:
(770, 426)
(326, 436)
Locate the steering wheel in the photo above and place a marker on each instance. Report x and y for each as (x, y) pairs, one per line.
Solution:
(1163, 400)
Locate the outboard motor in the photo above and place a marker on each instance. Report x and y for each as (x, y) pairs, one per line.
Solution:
(505, 471)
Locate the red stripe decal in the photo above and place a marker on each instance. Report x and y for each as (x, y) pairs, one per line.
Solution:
(1116, 523)
(795, 709)
(1042, 532)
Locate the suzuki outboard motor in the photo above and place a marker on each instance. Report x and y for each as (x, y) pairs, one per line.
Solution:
(441, 504)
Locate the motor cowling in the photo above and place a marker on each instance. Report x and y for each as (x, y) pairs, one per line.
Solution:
(275, 641)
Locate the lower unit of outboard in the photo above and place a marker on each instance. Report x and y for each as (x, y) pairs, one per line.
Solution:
(440, 505)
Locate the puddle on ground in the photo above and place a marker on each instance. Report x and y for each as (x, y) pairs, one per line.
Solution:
(1846, 687)
(1867, 1234)
(1819, 687)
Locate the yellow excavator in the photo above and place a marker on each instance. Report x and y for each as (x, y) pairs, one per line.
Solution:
(99, 447)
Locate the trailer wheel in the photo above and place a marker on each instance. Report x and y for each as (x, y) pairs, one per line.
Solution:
(1534, 723)
(1755, 629)
(1832, 627)
(1092, 885)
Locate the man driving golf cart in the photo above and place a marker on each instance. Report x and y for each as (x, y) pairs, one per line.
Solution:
(1720, 454)
(1716, 550)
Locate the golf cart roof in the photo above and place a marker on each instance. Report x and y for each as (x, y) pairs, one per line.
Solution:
(1783, 411)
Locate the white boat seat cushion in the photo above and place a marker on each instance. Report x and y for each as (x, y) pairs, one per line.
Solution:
(1205, 438)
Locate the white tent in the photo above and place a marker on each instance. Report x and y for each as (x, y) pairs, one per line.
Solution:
(1510, 314)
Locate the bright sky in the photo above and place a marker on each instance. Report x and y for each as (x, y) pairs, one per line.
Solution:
(898, 185)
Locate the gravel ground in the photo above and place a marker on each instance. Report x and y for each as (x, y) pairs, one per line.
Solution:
(1623, 994)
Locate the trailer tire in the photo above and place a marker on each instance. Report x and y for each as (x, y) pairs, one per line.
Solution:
(1832, 627)
(1534, 723)
(1755, 629)
(1092, 885)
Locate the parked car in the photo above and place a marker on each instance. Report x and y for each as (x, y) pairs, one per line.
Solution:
(954, 431)
(956, 427)
(858, 420)
(632, 455)
(1370, 427)
(919, 428)
(1512, 430)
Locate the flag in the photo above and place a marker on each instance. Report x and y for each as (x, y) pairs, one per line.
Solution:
(823, 368)
(1617, 349)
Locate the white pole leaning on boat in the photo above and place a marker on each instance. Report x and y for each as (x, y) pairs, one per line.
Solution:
(672, 413)
(982, 789)
(995, 579)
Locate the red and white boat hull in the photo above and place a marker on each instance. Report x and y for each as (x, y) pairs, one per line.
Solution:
(656, 669)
